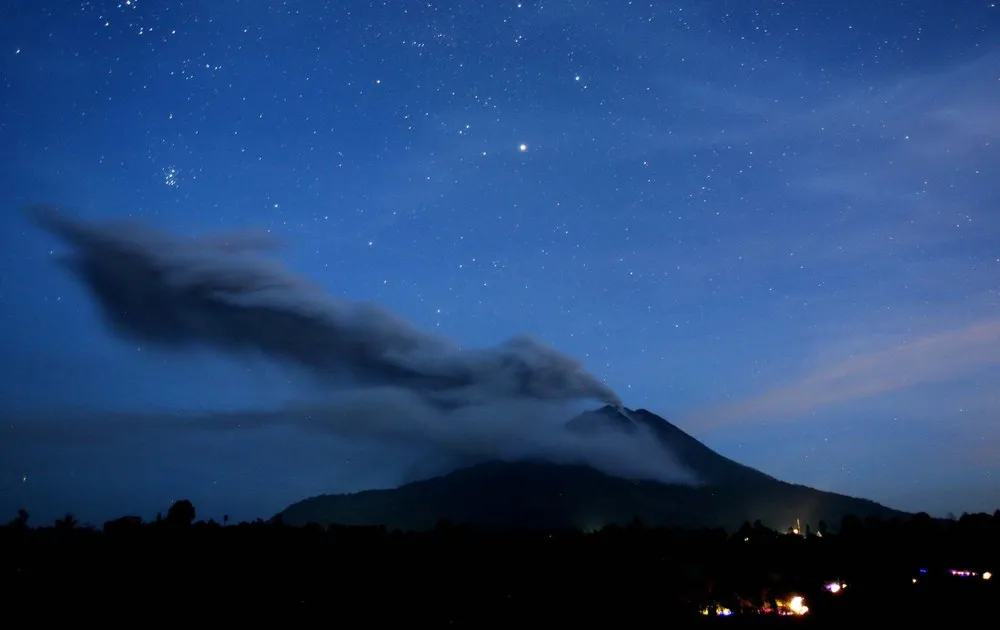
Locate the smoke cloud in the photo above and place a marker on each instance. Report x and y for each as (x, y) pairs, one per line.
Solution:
(507, 429)
(405, 384)
(173, 292)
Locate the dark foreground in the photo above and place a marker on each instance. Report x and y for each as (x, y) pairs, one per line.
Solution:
(142, 572)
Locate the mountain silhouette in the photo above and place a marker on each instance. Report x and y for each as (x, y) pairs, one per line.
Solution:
(542, 495)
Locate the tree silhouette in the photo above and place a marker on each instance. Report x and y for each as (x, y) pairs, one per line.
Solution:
(697, 571)
(181, 513)
(67, 523)
(745, 532)
(20, 522)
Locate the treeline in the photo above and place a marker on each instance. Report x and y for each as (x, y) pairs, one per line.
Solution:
(458, 575)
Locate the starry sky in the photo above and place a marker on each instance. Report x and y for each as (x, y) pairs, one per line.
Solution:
(774, 223)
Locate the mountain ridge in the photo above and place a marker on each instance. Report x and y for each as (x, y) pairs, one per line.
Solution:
(711, 466)
(532, 494)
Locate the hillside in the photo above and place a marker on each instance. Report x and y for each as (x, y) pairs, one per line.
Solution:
(539, 495)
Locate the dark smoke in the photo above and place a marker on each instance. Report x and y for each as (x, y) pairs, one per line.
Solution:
(405, 386)
(176, 292)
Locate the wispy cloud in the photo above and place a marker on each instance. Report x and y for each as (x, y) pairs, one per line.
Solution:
(933, 358)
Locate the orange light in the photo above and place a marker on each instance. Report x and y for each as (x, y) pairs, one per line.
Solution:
(797, 605)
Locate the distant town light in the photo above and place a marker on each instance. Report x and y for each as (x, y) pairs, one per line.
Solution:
(797, 605)
(987, 575)
(717, 610)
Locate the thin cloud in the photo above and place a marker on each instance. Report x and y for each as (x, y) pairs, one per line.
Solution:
(933, 358)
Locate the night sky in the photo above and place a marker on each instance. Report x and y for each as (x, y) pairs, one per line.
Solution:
(776, 224)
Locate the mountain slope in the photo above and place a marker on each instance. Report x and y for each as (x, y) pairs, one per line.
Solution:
(541, 495)
(711, 468)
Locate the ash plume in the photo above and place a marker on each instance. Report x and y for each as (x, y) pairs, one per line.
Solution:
(175, 292)
(389, 381)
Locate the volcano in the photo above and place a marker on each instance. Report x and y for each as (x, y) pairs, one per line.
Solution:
(541, 495)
